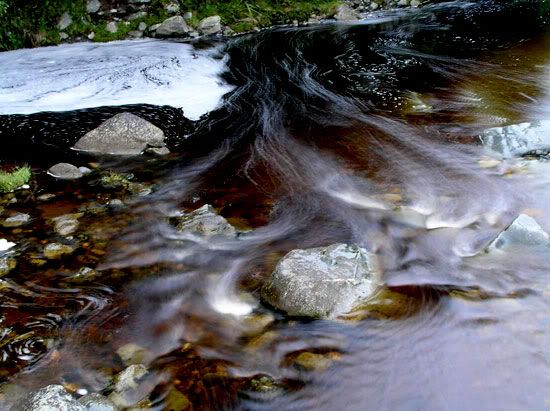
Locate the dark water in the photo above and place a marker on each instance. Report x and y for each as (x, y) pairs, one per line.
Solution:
(329, 130)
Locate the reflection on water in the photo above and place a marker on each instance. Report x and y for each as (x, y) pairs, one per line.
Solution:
(318, 147)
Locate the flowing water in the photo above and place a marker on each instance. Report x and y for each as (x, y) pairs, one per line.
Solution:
(362, 133)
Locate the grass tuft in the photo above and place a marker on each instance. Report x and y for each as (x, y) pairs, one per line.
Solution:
(15, 179)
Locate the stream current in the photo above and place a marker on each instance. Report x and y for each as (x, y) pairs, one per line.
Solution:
(365, 132)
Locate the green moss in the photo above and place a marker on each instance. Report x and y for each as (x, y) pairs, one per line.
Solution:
(15, 179)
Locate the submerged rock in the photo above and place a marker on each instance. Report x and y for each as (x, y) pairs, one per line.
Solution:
(16, 220)
(67, 224)
(173, 27)
(123, 134)
(50, 398)
(206, 222)
(97, 402)
(65, 171)
(54, 251)
(322, 282)
(210, 25)
(519, 139)
(524, 231)
(7, 264)
(126, 384)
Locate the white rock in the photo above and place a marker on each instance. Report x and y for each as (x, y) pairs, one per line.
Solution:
(5, 244)
(65, 21)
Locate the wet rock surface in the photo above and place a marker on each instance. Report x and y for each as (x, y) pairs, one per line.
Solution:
(65, 171)
(519, 139)
(123, 134)
(206, 222)
(50, 398)
(524, 231)
(322, 282)
(97, 402)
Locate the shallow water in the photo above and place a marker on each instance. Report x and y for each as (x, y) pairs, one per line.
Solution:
(355, 133)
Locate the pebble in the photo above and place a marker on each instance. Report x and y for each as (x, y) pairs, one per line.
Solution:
(54, 251)
(17, 220)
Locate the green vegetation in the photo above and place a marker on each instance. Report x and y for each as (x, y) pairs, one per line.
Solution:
(31, 24)
(244, 15)
(15, 179)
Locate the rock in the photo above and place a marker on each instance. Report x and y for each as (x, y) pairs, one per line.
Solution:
(65, 171)
(65, 21)
(128, 379)
(415, 3)
(136, 34)
(137, 15)
(16, 220)
(91, 36)
(93, 6)
(524, 231)
(309, 361)
(67, 224)
(142, 26)
(123, 134)
(5, 244)
(172, 8)
(403, 3)
(158, 151)
(188, 15)
(173, 27)
(519, 139)
(154, 27)
(345, 13)
(50, 398)
(132, 354)
(63, 35)
(206, 222)
(7, 264)
(54, 251)
(112, 27)
(85, 170)
(45, 197)
(210, 25)
(97, 402)
(322, 282)
(85, 274)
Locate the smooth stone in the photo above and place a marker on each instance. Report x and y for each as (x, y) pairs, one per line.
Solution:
(123, 134)
(322, 282)
(50, 398)
(206, 222)
(65, 21)
(519, 139)
(63, 35)
(137, 15)
(112, 27)
(54, 251)
(67, 224)
(65, 171)
(210, 25)
(91, 36)
(524, 231)
(93, 6)
(158, 151)
(142, 26)
(173, 27)
(17, 220)
(312, 362)
(97, 402)
(135, 34)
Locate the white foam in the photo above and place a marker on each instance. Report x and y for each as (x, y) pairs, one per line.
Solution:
(5, 244)
(85, 75)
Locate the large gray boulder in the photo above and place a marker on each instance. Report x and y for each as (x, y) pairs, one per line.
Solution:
(519, 139)
(210, 25)
(50, 398)
(524, 232)
(322, 282)
(173, 27)
(123, 134)
(206, 222)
